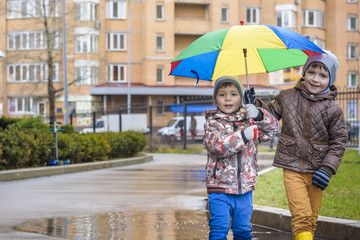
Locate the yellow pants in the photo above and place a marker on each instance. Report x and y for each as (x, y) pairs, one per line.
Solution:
(304, 201)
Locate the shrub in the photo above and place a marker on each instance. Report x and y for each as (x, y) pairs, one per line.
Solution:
(31, 123)
(5, 122)
(20, 148)
(83, 147)
(125, 144)
(68, 128)
(68, 147)
(30, 148)
(42, 147)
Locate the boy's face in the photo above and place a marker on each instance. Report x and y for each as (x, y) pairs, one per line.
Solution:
(316, 79)
(228, 99)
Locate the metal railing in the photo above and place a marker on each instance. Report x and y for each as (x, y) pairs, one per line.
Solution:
(159, 116)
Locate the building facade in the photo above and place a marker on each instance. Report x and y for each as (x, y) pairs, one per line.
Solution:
(118, 52)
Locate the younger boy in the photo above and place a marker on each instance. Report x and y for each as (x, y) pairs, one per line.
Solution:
(231, 141)
(312, 141)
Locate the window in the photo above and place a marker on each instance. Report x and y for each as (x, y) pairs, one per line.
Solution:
(159, 11)
(353, 79)
(352, 23)
(116, 42)
(319, 42)
(86, 72)
(159, 74)
(86, 44)
(31, 40)
(159, 42)
(86, 75)
(86, 11)
(160, 106)
(352, 52)
(20, 105)
(352, 1)
(224, 14)
(116, 9)
(116, 73)
(286, 15)
(32, 8)
(31, 72)
(252, 15)
(313, 18)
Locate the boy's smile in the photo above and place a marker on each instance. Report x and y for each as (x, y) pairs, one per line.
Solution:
(316, 79)
(228, 99)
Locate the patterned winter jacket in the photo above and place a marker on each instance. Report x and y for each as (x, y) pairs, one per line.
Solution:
(232, 161)
(313, 133)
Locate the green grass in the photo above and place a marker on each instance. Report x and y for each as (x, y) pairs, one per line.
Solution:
(341, 198)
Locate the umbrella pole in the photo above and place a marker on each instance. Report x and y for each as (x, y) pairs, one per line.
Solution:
(246, 70)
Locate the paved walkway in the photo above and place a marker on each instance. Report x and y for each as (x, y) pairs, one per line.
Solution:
(328, 228)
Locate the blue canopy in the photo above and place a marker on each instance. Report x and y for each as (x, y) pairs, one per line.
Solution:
(191, 108)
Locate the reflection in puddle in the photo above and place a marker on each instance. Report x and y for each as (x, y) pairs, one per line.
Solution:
(170, 224)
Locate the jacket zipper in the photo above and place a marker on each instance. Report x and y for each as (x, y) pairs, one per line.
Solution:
(305, 139)
(238, 155)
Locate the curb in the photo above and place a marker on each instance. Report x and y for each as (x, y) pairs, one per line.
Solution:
(18, 174)
(327, 227)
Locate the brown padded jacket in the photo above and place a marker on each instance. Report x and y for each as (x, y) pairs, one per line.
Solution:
(313, 133)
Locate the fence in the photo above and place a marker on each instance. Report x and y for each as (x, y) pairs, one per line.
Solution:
(166, 122)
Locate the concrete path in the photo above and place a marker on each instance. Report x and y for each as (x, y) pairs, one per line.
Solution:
(94, 193)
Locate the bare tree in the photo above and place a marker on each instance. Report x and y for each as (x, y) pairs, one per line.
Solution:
(46, 14)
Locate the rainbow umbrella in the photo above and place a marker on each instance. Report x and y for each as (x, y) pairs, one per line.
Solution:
(242, 49)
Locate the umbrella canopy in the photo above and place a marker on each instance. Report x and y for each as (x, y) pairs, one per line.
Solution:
(221, 52)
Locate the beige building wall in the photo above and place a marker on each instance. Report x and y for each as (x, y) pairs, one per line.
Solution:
(182, 23)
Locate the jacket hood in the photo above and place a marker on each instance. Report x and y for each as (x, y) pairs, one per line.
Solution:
(328, 59)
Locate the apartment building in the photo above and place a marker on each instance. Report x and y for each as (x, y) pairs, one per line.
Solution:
(118, 52)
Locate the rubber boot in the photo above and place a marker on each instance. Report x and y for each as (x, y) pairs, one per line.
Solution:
(304, 236)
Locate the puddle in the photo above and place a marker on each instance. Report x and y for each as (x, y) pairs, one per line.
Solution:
(171, 224)
(135, 225)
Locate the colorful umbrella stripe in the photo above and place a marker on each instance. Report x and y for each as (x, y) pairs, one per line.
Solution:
(220, 52)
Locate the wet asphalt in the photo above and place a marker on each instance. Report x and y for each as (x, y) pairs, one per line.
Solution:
(162, 199)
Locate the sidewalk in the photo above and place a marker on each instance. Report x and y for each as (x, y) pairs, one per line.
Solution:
(328, 228)
(18, 174)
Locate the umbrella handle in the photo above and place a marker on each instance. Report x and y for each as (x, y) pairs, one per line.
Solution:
(197, 76)
(246, 70)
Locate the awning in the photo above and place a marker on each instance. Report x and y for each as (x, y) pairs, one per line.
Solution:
(191, 108)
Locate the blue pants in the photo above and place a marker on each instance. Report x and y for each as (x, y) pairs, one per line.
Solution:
(224, 207)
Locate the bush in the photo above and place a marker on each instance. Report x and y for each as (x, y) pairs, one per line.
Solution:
(5, 122)
(30, 148)
(125, 144)
(68, 147)
(31, 123)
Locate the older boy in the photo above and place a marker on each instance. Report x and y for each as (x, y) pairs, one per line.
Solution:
(312, 141)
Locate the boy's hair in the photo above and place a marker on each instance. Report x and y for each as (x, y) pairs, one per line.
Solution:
(315, 65)
(328, 59)
(226, 81)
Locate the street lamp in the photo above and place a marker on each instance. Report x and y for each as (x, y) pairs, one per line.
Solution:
(66, 114)
(129, 56)
(2, 55)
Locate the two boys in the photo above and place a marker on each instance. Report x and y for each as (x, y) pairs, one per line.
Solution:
(310, 148)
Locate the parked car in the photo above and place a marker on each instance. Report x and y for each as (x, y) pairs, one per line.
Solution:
(173, 130)
(111, 123)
